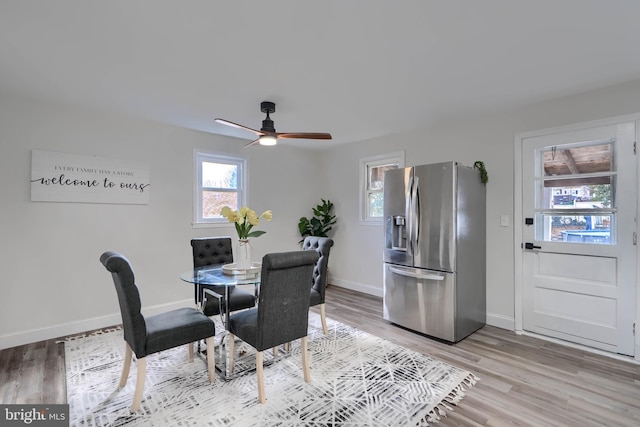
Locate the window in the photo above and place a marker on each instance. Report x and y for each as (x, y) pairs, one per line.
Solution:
(575, 193)
(372, 171)
(220, 181)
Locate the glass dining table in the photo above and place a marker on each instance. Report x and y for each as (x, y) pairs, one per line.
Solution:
(218, 275)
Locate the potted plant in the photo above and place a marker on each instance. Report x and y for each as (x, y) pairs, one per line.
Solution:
(321, 222)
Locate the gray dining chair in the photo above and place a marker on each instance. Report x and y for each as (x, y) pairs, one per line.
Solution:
(152, 334)
(282, 314)
(319, 283)
(212, 251)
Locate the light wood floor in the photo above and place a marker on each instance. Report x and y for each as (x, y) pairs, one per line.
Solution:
(523, 381)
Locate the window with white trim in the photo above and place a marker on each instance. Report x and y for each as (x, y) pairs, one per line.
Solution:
(372, 171)
(220, 181)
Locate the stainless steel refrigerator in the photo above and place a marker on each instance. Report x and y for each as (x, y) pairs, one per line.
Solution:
(434, 255)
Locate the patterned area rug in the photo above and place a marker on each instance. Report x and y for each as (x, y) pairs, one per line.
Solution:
(357, 379)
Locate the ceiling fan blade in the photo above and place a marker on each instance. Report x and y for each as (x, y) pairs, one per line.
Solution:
(254, 142)
(235, 125)
(304, 135)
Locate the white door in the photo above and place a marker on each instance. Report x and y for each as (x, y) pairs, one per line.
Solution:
(579, 253)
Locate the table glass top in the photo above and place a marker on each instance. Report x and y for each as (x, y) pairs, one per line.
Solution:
(213, 275)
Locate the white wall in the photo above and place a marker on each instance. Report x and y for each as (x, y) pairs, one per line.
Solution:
(489, 138)
(52, 281)
(53, 284)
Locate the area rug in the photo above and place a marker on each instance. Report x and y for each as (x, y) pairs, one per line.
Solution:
(357, 379)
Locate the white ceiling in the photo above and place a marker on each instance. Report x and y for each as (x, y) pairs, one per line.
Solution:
(355, 68)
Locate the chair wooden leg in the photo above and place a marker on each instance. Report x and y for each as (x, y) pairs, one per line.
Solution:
(275, 352)
(323, 318)
(259, 374)
(305, 360)
(211, 367)
(231, 351)
(190, 345)
(128, 355)
(142, 372)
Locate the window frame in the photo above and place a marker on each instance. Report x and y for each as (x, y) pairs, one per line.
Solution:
(365, 164)
(200, 157)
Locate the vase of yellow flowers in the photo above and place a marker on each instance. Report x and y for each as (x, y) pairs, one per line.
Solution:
(244, 220)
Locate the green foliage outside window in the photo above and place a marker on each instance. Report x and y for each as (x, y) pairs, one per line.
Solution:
(601, 193)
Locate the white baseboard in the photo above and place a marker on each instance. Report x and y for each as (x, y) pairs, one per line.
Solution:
(358, 287)
(585, 348)
(71, 328)
(500, 321)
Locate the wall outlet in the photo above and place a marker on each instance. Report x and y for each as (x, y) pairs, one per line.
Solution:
(504, 220)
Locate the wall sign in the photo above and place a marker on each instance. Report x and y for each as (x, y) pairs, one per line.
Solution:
(62, 177)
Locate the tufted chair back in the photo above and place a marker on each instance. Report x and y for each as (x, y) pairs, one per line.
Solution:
(322, 245)
(133, 323)
(283, 304)
(211, 250)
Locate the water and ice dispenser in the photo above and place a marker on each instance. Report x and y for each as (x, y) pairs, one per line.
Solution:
(399, 233)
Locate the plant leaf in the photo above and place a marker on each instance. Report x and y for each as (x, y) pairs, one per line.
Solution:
(484, 176)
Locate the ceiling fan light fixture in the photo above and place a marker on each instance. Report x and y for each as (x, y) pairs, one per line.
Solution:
(268, 140)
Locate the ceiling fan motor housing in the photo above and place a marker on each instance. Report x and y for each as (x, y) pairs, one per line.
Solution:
(267, 124)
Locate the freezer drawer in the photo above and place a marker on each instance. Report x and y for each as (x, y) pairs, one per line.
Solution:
(421, 300)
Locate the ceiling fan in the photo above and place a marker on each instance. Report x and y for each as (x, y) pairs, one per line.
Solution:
(267, 134)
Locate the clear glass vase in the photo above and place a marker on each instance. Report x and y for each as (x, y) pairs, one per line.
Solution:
(243, 254)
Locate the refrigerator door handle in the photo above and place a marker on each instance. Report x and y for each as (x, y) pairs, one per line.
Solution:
(415, 210)
(410, 216)
(416, 275)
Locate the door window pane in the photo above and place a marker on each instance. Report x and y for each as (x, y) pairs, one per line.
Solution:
(578, 228)
(575, 200)
(574, 160)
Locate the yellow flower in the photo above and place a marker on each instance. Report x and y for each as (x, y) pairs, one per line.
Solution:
(233, 216)
(225, 211)
(252, 218)
(245, 220)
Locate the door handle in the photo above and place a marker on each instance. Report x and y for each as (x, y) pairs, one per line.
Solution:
(529, 245)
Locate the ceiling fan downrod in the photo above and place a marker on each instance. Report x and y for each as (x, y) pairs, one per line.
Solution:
(267, 124)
